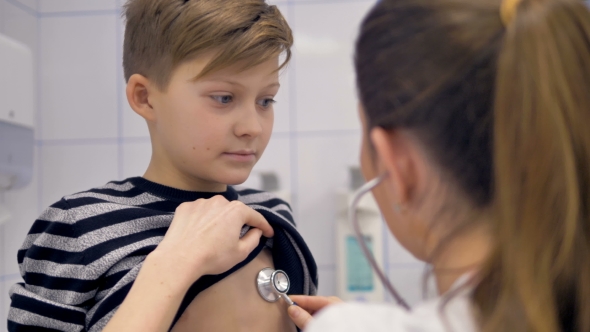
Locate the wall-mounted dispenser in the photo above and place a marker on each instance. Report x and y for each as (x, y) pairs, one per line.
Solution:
(17, 136)
(356, 281)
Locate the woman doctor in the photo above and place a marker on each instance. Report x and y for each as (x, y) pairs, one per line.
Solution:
(475, 117)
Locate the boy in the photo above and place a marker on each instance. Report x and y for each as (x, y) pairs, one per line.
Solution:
(203, 74)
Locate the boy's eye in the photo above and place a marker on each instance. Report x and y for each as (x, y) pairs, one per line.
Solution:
(266, 102)
(226, 99)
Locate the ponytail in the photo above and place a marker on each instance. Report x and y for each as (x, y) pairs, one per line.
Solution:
(500, 100)
(538, 279)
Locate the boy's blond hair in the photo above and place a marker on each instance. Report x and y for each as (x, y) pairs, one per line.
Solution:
(161, 34)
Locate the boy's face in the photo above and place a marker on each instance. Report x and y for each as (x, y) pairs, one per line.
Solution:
(211, 132)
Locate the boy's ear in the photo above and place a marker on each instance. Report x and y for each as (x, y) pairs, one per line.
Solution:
(138, 92)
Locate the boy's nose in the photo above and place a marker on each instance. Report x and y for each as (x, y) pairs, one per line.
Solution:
(249, 124)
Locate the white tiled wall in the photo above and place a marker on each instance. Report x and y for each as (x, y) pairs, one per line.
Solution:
(87, 134)
(68, 6)
(78, 61)
(324, 76)
(18, 20)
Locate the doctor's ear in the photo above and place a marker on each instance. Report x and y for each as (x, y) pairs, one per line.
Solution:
(396, 154)
(138, 92)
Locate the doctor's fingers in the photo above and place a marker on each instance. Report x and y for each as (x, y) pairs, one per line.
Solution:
(219, 208)
(312, 304)
(244, 214)
(250, 241)
(299, 316)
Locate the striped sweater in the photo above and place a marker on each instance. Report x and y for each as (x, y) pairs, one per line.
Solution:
(82, 255)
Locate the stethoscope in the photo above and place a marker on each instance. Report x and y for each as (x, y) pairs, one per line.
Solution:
(358, 195)
(274, 284)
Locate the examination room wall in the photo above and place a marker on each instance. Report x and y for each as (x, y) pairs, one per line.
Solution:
(87, 134)
(19, 21)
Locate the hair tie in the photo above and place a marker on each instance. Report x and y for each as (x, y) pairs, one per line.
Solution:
(508, 11)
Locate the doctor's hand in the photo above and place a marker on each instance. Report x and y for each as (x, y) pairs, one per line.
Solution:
(301, 314)
(204, 237)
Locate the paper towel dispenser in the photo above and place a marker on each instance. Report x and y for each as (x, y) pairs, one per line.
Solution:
(17, 136)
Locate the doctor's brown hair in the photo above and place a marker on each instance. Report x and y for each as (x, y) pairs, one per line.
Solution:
(505, 110)
(161, 34)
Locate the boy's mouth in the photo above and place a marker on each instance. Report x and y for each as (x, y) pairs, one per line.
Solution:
(244, 156)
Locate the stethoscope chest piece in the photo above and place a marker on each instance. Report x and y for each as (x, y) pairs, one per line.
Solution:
(272, 284)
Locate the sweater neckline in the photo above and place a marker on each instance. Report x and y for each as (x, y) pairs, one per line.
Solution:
(175, 194)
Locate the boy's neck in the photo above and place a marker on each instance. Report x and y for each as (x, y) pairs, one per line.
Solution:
(170, 177)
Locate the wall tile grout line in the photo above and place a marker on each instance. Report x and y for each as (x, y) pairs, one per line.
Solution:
(122, 140)
(293, 142)
(23, 7)
(81, 13)
(8, 277)
(2, 18)
(2, 259)
(39, 121)
(137, 139)
(77, 141)
(119, 87)
(38, 14)
(327, 133)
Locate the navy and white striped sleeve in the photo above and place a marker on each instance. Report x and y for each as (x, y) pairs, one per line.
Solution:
(56, 292)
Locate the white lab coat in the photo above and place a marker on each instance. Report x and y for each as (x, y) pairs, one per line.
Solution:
(430, 316)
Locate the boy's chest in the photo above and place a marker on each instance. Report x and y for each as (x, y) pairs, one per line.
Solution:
(233, 304)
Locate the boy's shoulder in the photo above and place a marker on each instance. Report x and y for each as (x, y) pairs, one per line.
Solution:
(254, 196)
(110, 197)
(125, 192)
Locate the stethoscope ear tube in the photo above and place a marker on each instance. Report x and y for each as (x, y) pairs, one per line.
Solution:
(273, 285)
(352, 213)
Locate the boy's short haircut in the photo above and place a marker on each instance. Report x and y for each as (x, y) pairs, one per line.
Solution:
(162, 34)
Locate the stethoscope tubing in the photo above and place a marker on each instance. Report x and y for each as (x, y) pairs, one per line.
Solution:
(264, 280)
(352, 213)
